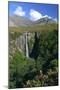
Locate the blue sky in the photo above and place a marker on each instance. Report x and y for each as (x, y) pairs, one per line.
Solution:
(33, 11)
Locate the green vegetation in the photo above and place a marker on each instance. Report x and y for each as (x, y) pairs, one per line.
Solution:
(41, 68)
(33, 28)
(19, 67)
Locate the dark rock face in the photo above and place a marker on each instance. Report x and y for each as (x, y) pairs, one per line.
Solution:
(26, 42)
(35, 50)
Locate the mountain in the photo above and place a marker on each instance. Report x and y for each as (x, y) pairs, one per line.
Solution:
(45, 20)
(16, 21)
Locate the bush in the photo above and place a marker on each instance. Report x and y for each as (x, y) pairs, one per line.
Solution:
(53, 64)
(48, 49)
(19, 66)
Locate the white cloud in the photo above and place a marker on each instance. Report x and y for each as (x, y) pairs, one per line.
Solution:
(55, 19)
(47, 16)
(35, 15)
(19, 11)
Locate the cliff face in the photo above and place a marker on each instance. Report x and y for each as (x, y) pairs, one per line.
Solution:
(22, 42)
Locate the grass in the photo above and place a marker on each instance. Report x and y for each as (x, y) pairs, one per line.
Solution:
(34, 28)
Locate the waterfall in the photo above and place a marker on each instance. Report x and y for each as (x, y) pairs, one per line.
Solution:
(26, 44)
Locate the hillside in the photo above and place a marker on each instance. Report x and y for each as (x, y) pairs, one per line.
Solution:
(16, 21)
(36, 28)
(33, 53)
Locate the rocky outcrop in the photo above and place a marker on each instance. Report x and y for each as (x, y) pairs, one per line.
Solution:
(22, 43)
(26, 43)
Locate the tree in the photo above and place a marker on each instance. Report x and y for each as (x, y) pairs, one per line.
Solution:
(19, 67)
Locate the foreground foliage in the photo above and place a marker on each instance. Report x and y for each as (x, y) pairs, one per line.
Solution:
(41, 68)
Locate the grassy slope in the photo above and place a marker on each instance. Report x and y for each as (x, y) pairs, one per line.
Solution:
(35, 28)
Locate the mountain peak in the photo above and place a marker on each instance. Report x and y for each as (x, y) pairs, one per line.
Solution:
(17, 21)
(45, 20)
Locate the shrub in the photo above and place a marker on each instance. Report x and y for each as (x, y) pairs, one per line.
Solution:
(19, 66)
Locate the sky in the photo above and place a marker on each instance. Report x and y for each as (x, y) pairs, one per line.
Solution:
(33, 11)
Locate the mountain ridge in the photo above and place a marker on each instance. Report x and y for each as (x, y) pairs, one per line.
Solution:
(17, 21)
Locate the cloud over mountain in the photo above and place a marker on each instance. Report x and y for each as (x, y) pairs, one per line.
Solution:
(35, 15)
(19, 11)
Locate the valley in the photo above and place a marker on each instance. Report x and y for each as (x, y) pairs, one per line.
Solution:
(33, 53)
